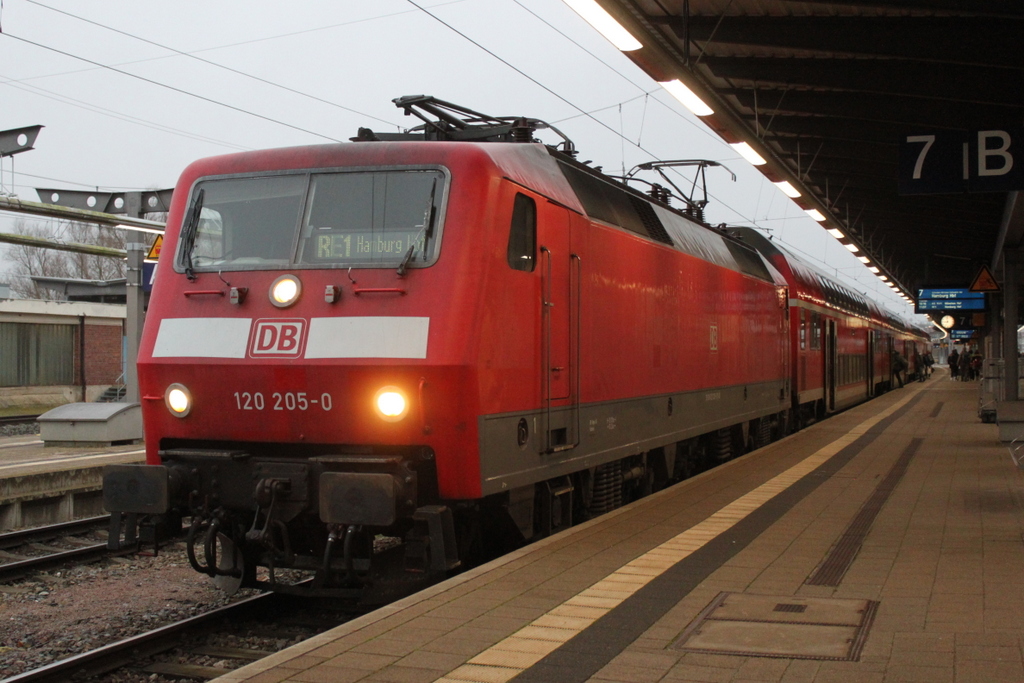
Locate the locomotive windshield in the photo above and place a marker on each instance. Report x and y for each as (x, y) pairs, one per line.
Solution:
(350, 218)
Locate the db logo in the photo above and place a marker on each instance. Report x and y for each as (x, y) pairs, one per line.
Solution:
(277, 338)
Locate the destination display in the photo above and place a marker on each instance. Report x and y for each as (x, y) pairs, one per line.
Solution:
(961, 334)
(950, 305)
(368, 246)
(949, 294)
(931, 299)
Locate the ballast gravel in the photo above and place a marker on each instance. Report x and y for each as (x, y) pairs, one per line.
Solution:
(57, 614)
(19, 430)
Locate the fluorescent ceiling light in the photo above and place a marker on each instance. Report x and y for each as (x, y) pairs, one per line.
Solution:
(884, 278)
(873, 269)
(687, 97)
(815, 214)
(605, 24)
(748, 153)
(852, 247)
(864, 259)
(788, 189)
(835, 233)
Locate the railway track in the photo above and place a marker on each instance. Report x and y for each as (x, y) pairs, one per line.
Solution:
(28, 550)
(201, 647)
(13, 420)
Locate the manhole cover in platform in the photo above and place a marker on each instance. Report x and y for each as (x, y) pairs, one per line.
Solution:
(773, 626)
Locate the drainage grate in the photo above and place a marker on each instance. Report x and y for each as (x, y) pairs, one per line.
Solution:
(784, 607)
(742, 625)
(832, 569)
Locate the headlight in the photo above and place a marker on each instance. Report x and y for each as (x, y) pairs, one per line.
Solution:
(178, 400)
(285, 291)
(391, 404)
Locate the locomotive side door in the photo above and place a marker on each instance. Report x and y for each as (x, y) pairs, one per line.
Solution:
(559, 270)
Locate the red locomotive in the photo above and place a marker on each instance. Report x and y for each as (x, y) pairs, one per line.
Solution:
(458, 343)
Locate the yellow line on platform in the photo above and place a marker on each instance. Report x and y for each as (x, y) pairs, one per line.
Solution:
(507, 659)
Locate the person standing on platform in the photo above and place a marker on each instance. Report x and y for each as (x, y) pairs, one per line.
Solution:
(965, 366)
(899, 367)
(976, 364)
(954, 359)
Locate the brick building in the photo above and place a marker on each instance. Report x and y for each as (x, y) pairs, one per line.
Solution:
(43, 344)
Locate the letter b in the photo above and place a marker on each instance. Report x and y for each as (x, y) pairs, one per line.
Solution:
(289, 339)
(984, 153)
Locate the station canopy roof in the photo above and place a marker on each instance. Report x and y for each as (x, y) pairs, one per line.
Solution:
(825, 91)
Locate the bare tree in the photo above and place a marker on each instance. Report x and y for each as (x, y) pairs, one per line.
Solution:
(28, 261)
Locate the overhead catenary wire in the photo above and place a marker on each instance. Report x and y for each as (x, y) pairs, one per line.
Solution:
(181, 91)
(96, 109)
(253, 41)
(212, 63)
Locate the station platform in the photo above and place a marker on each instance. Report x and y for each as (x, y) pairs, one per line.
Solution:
(49, 484)
(882, 544)
(26, 455)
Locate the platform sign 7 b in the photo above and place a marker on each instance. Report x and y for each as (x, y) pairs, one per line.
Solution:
(984, 160)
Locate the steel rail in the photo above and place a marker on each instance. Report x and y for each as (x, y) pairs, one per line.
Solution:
(18, 419)
(12, 570)
(10, 539)
(116, 655)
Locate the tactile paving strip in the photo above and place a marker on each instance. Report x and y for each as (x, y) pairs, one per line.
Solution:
(831, 571)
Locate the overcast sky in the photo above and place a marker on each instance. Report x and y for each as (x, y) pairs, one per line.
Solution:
(132, 92)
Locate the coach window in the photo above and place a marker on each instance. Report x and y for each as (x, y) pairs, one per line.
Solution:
(803, 329)
(815, 331)
(522, 238)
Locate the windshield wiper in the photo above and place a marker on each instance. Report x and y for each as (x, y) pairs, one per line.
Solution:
(405, 262)
(427, 231)
(428, 215)
(188, 235)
